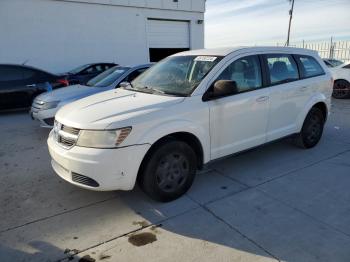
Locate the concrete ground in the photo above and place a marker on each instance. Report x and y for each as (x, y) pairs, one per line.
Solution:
(276, 202)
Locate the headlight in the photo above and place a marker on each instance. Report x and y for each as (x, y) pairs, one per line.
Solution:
(103, 138)
(50, 105)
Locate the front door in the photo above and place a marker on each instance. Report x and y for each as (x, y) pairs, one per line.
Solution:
(239, 121)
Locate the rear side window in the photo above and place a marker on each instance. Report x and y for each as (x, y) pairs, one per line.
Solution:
(282, 68)
(28, 73)
(309, 66)
(10, 73)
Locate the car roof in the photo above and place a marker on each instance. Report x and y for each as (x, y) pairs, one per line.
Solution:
(224, 51)
(27, 67)
(142, 65)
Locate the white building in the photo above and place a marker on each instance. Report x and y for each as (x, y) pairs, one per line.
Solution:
(58, 35)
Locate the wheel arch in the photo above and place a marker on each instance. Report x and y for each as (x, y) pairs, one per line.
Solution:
(341, 79)
(320, 102)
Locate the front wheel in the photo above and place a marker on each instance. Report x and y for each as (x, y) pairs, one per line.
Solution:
(312, 129)
(169, 171)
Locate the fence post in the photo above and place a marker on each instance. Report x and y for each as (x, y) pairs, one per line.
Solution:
(331, 49)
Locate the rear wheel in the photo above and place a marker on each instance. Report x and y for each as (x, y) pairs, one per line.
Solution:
(169, 171)
(312, 129)
(341, 89)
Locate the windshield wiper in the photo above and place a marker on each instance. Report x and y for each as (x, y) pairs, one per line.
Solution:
(155, 90)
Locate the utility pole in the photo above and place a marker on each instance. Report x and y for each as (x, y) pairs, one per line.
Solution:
(290, 21)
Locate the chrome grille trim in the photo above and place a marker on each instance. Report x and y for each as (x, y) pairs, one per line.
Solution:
(65, 136)
(71, 130)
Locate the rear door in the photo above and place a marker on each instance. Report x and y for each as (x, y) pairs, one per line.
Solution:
(239, 121)
(288, 95)
(13, 88)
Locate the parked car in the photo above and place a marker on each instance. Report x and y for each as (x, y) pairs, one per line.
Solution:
(46, 105)
(189, 109)
(82, 74)
(20, 84)
(341, 74)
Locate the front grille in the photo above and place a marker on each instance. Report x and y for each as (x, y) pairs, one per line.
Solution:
(70, 130)
(65, 136)
(66, 141)
(84, 180)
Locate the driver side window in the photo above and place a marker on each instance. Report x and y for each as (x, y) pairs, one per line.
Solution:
(246, 72)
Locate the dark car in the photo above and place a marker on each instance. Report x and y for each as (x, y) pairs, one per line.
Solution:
(20, 84)
(82, 74)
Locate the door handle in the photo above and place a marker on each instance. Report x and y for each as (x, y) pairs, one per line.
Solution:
(303, 88)
(32, 85)
(262, 99)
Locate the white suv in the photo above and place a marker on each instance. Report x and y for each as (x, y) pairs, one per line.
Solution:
(187, 110)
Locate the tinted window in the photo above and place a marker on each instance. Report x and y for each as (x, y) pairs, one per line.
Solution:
(90, 70)
(335, 62)
(10, 73)
(245, 72)
(78, 69)
(99, 68)
(28, 73)
(135, 74)
(282, 68)
(310, 67)
(107, 77)
(327, 63)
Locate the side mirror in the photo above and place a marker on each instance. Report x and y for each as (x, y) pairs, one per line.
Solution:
(124, 84)
(221, 88)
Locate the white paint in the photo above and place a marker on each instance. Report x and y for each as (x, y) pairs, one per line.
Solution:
(340, 73)
(59, 35)
(168, 34)
(223, 126)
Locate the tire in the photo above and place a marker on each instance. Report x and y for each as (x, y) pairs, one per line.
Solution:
(169, 171)
(312, 129)
(341, 89)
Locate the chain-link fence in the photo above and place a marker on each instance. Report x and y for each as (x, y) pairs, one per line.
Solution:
(332, 49)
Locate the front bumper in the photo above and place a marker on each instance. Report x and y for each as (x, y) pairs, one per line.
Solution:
(45, 117)
(112, 169)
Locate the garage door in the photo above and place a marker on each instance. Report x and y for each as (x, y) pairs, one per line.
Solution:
(168, 34)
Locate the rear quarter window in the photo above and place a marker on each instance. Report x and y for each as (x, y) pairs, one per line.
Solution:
(309, 66)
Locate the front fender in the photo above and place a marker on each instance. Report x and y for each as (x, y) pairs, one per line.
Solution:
(312, 101)
(175, 126)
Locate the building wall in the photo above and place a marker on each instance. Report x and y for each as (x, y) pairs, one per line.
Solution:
(58, 35)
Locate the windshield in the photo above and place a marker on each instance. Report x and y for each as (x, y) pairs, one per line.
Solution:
(334, 62)
(176, 75)
(108, 77)
(78, 69)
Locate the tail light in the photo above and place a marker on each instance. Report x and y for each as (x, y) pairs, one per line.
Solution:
(64, 82)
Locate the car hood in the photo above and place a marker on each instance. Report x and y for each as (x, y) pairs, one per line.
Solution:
(69, 93)
(113, 109)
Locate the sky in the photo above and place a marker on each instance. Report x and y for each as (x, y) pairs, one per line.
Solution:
(265, 22)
